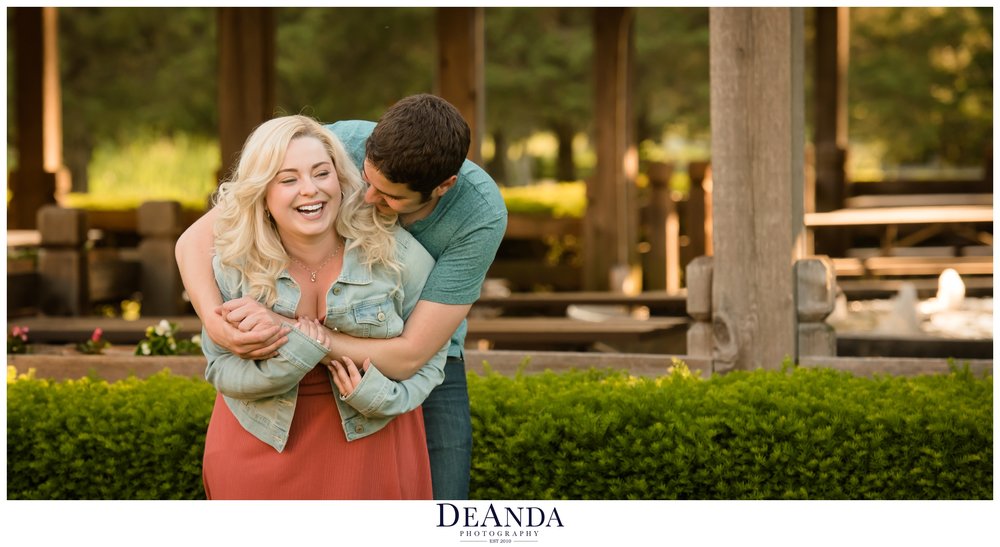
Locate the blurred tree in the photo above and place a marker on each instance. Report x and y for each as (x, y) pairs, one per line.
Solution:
(352, 63)
(920, 78)
(921, 82)
(538, 77)
(131, 71)
(671, 67)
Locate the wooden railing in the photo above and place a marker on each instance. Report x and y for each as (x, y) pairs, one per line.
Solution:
(72, 270)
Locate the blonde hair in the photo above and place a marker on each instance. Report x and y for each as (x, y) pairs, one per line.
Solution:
(246, 238)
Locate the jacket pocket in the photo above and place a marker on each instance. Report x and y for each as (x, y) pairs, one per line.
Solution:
(373, 316)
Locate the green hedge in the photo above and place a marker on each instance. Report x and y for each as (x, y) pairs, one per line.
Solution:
(90, 439)
(807, 434)
(810, 434)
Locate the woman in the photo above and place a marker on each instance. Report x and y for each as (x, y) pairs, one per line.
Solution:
(295, 234)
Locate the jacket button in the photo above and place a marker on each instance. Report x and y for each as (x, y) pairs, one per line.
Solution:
(359, 428)
(381, 316)
(336, 290)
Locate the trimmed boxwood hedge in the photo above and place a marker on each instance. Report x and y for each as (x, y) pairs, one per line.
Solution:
(597, 434)
(90, 439)
(807, 434)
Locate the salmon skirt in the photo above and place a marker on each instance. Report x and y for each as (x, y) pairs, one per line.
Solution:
(318, 462)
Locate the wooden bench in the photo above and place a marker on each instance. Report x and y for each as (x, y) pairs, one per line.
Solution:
(917, 200)
(556, 331)
(881, 266)
(563, 332)
(555, 303)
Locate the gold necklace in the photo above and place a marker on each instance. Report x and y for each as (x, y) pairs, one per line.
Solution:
(314, 273)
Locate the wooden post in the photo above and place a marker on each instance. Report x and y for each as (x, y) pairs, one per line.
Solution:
(699, 306)
(698, 213)
(757, 169)
(815, 298)
(611, 224)
(160, 223)
(40, 173)
(62, 261)
(460, 80)
(246, 76)
(828, 193)
(663, 262)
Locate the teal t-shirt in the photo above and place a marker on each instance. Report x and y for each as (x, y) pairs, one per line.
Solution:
(462, 233)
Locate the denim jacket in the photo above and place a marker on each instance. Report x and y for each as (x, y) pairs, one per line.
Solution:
(362, 302)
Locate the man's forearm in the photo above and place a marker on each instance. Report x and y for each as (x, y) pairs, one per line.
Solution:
(428, 328)
(194, 260)
(397, 358)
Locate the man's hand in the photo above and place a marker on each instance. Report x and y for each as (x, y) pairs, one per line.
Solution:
(248, 329)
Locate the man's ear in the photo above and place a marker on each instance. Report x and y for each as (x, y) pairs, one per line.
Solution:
(443, 188)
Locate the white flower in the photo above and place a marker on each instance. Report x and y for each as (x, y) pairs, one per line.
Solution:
(196, 339)
(163, 327)
(145, 348)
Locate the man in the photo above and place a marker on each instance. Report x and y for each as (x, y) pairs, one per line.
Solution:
(413, 161)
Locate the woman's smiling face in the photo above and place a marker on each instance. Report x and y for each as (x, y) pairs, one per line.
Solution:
(304, 196)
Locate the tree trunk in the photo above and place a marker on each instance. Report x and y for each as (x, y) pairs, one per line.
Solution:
(497, 166)
(565, 167)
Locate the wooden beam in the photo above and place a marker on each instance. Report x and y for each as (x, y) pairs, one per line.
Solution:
(611, 225)
(460, 81)
(829, 186)
(40, 174)
(246, 76)
(757, 169)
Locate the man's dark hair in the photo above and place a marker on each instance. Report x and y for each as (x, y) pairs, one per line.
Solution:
(420, 142)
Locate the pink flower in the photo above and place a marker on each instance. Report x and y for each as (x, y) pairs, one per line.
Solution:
(96, 337)
(20, 332)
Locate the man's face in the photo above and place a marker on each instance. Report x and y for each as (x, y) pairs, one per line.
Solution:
(389, 197)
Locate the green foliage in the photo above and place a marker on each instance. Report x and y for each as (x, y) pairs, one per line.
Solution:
(350, 63)
(596, 434)
(921, 82)
(181, 168)
(804, 434)
(671, 55)
(88, 439)
(95, 345)
(162, 340)
(127, 70)
(534, 81)
(564, 199)
(17, 340)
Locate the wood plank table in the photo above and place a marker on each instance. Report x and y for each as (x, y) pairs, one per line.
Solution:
(882, 216)
(936, 218)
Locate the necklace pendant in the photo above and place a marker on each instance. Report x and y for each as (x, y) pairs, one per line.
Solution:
(312, 276)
